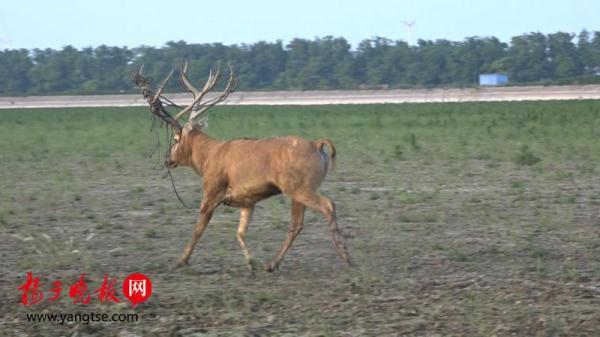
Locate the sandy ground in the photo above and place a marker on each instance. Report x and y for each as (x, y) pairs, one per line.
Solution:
(533, 93)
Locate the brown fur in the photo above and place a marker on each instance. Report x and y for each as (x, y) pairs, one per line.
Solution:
(242, 172)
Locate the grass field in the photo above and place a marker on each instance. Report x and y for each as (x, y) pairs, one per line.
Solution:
(472, 219)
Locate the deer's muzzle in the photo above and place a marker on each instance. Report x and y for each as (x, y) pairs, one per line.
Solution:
(170, 163)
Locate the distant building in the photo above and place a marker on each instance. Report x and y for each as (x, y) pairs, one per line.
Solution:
(493, 79)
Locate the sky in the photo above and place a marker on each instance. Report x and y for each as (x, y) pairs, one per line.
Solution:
(132, 23)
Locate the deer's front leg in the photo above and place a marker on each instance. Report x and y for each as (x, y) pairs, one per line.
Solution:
(206, 210)
(245, 218)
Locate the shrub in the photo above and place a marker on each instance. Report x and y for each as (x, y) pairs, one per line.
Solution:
(526, 157)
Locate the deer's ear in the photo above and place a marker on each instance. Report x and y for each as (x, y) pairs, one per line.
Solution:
(196, 124)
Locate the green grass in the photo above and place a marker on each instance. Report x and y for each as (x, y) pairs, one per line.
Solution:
(553, 130)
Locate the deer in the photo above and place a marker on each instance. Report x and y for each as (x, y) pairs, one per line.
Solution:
(242, 172)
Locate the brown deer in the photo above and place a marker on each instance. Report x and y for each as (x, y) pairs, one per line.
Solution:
(242, 172)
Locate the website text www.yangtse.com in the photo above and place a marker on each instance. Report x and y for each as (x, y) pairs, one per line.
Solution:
(86, 318)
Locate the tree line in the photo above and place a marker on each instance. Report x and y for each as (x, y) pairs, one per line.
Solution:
(302, 64)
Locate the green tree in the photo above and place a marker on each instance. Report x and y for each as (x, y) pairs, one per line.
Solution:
(435, 62)
(319, 64)
(588, 48)
(14, 68)
(528, 60)
(61, 71)
(111, 68)
(565, 62)
(261, 63)
(475, 56)
(380, 61)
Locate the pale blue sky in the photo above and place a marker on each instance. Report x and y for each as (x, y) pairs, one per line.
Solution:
(56, 23)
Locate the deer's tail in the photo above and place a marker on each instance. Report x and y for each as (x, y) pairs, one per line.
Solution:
(320, 143)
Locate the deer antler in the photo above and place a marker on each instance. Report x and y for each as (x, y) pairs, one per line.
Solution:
(158, 102)
(155, 100)
(197, 107)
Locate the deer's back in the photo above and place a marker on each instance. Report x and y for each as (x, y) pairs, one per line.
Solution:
(267, 166)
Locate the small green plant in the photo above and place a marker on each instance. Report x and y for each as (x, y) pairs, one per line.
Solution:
(413, 142)
(438, 246)
(536, 251)
(526, 157)
(517, 184)
(398, 153)
(151, 233)
(566, 199)
(457, 256)
(103, 226)
(374, 196)
(413, 217)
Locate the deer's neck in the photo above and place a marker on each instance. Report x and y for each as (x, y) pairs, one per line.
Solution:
(201, 147)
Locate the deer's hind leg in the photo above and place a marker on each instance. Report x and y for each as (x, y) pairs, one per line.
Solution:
(322, 204)
(296, 226)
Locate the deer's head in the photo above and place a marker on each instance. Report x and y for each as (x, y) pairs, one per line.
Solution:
(180, 153)
(180, 150)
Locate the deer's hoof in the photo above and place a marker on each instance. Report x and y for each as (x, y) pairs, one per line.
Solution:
(252, 264)
(182, 263)
(271, 267)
